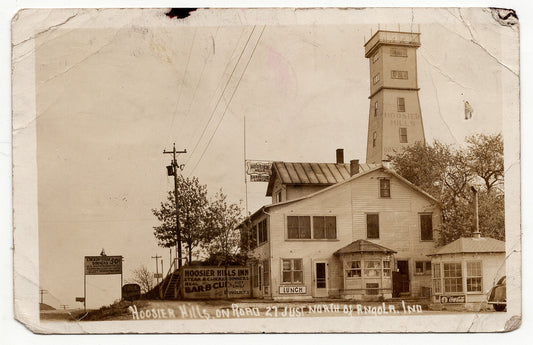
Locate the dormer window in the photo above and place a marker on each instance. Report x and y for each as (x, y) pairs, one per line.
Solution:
(384, 188)
(278, 197)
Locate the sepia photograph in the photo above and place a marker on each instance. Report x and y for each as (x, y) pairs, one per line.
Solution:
(266, 170)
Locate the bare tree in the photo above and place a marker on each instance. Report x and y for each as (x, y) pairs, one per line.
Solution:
(144, 278)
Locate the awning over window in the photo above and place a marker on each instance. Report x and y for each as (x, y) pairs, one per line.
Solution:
(363, 246)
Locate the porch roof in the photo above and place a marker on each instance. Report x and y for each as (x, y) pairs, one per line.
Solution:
(364, 246)
(471, 245)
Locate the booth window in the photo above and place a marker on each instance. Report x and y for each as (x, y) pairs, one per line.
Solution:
(436, 279)
(372, 268)
(426, 227)
(354, 269)
(374, 138)
(324, 227)
(423, 267)
(372, 225)
(474, 277)
(384, 188)
(376, 108)
(292, 272)
(452, 277)
(299, 227)
(386, 268)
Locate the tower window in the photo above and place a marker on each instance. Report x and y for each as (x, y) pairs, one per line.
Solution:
(403, 134)
(375, 57)
(399, 75)
(376, 108)
(402, 52)
(376, 79)
(374, 138)
(401, 104)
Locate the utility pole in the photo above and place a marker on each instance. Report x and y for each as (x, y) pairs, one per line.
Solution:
(42, 292)
(173, 170)
(156, 257)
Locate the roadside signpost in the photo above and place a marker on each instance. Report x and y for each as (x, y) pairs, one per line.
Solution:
(100, 265)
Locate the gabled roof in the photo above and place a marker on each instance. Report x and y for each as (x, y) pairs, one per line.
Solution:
(298, 173)
(472, 245)
(370, 168)
(363, 246)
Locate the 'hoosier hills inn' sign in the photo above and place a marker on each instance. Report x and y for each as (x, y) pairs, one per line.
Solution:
(211, 282)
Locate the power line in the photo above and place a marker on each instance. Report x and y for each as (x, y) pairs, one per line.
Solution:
(220, 97)
(196, 87)
(229, 102)
(183, 79)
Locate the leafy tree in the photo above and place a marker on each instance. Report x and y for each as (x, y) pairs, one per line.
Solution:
(485, 159)
(224, 239)
(144, 278)
(192, 208)
(447, 172)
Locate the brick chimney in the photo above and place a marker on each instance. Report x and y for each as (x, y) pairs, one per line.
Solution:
(354, 167)
(340, 156)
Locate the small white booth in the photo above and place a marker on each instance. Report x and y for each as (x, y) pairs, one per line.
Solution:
(367, 271)
(465, 270)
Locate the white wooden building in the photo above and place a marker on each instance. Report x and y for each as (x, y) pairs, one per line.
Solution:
(342, 230)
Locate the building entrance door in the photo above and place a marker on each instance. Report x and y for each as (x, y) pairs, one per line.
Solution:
(400, 279)
(321, 279)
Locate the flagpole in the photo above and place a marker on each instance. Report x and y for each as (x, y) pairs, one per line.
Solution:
(245, 177)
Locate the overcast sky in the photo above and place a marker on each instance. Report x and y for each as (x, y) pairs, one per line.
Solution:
(109, 101)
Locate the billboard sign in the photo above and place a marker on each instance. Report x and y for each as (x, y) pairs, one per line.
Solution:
(259, 171)
(102, 264)
(210, 282)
